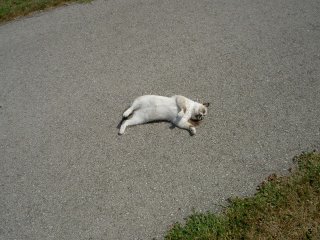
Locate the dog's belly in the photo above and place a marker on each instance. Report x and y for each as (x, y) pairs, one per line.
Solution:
(161, 113)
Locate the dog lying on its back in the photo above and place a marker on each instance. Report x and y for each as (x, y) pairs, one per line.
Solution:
(178, 110)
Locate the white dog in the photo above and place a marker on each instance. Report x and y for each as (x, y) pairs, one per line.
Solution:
(178, 110)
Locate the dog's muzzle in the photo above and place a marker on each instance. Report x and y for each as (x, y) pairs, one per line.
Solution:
(199, 117)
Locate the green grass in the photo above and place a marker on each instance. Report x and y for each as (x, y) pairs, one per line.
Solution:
(10, 9)
(283, 208)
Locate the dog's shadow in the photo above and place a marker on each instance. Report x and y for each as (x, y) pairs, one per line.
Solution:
(120, 123)
(172, 126)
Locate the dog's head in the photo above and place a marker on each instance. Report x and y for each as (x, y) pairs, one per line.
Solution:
(200, 111)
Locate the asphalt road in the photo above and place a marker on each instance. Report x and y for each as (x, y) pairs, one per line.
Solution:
(67, 74)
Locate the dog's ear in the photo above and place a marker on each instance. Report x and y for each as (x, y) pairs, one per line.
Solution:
(206, 104)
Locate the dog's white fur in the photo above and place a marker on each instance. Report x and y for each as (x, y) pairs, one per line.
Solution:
(178, 110)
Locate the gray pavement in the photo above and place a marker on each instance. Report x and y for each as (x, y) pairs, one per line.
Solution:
(67, 74)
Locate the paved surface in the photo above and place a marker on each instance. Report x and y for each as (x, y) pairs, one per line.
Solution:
(67, 75)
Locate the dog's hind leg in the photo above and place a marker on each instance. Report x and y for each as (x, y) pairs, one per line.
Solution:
(135, 120)
(135, 105)
(128, 112)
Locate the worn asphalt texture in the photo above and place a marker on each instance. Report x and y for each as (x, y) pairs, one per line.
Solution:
(67, 75)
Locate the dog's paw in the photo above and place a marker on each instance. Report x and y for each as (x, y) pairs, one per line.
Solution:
(193, 131)
(121, 132)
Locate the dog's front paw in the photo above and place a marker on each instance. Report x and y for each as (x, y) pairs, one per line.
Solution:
(192, 130)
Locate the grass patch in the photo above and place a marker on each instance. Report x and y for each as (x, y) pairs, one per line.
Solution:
(283, 208)
(10, 9)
